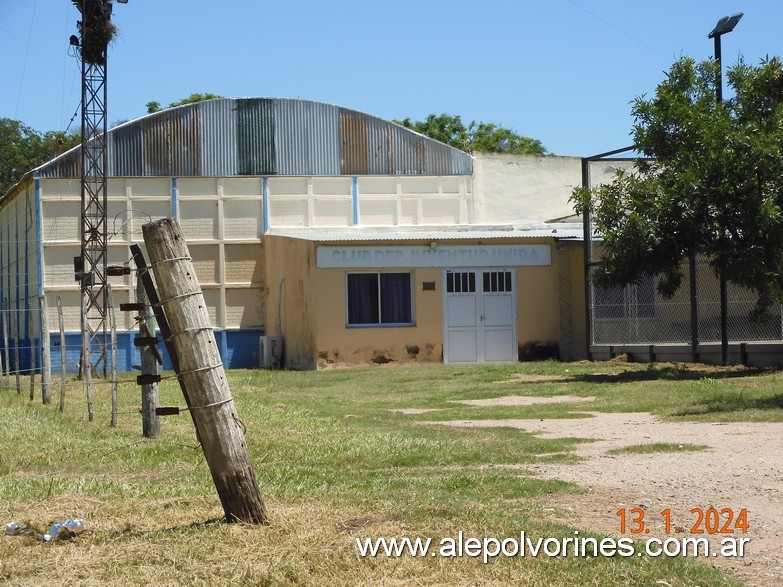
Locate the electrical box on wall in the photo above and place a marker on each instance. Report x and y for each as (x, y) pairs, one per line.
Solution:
(270, 352)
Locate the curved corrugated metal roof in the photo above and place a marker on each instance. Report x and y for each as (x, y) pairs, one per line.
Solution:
(266, 136)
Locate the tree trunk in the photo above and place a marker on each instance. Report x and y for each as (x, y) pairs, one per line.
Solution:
(201, 370)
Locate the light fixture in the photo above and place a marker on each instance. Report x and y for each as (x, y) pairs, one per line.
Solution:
(725, 25)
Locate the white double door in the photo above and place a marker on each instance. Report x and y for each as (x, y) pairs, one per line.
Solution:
(479, 315)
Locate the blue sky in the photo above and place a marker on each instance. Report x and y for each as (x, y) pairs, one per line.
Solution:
(561, 71)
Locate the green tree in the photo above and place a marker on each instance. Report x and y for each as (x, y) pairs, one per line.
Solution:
(22, 149)
(712, 184)
(192, 99)
(475, 137)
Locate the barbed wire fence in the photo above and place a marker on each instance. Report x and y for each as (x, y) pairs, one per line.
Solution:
(35, 358)
(31, 351)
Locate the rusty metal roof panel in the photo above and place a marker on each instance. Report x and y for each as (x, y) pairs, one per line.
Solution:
(354, 143)
(171, 143)
(367, 144)
(266, 136)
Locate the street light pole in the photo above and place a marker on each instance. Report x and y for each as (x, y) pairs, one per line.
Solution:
(725, 25)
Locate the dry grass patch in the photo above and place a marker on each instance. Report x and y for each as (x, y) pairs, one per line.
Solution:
(523, 400)
(413, 411)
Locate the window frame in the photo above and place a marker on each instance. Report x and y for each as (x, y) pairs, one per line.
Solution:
(381, 324)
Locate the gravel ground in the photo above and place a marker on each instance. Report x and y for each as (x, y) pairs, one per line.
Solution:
(742, 468)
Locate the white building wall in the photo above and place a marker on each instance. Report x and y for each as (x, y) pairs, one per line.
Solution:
(19, 273)
(221, 218)
(299, 202)
(514, 188)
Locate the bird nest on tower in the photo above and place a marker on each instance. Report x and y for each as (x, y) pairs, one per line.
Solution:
(96, 29)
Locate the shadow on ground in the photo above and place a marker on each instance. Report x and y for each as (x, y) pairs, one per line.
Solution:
(670, 373)
(735, 402)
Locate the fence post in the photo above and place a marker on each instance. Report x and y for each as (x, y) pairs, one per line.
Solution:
(7, 351)
(150, 422)
(113, 327)
(28, 320)
(46, 362)
(200, 369)
(15, 316)
(86, 366)
(63, 358)
(32, 359)
(694, 311)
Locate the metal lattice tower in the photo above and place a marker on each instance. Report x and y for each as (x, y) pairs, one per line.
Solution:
(94, 164)
(93, 227)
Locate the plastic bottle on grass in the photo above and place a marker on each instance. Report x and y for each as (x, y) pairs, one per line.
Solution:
(65, 530)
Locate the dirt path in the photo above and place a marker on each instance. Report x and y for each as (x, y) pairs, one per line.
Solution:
(743, 468)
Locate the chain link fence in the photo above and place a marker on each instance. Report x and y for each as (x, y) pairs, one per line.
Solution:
(638, 314)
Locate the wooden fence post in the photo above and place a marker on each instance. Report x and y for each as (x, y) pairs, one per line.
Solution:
(63, 359)
(150, 422)
(113, 327)
(201, 370)
(29, 327)
(7, 351)
(46, 358)
(17, 372)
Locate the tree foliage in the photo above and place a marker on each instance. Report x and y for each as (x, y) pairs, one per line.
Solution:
(481, 137)
(23, 149)
(192, 99)
(712, 184)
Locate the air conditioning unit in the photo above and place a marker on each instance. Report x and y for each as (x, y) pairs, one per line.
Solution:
(270, 351)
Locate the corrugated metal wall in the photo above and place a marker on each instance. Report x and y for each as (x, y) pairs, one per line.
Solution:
(254, 137)
(266, 136)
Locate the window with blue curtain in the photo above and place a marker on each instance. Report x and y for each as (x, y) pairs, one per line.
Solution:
(379, 298)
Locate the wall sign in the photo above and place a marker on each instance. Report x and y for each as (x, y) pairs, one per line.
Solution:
(439, 256)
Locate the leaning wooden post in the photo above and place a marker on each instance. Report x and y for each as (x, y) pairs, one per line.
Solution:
(201, 370)
(46, 362)
(63, 363)
(113, 327)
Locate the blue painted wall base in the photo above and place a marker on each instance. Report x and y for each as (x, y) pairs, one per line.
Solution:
(238, 350)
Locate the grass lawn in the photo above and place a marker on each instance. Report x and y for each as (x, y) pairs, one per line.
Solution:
(334, 463)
